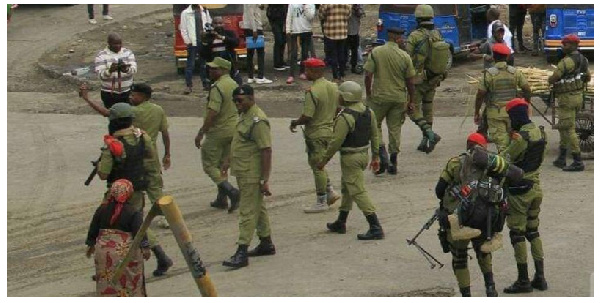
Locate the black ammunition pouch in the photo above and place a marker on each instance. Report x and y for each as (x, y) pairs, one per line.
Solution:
(521, 187)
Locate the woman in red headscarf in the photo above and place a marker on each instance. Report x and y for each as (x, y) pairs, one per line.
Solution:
(111, 233)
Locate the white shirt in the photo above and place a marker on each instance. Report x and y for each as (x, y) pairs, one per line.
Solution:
(507, 35)
(299, 18)
(188, 24)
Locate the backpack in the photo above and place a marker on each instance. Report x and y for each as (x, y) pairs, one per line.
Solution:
(438, 56)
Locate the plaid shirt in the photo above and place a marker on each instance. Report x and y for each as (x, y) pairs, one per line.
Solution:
(334, 18)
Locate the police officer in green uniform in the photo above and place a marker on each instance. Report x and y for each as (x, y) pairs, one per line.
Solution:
(390, 92)
(130, 154)
(526, 150)
(499, 85)
(417, 46)
(569, 80)
(250, 163)
(219, 126)
(463, 175)
(355, 126)
(151, 118)
(320, 104)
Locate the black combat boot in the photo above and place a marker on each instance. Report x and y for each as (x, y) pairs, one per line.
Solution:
(522, 285)
(577, 164)
(239, 259)
(264, 248)
(465, 291)
(375, 231)
(392, 170)
(432, 140)
(423, 144)
(383, 160)
(162, 260)
(539, 282)
(339, 225)
(490, 286)
(233, 194)
(561, 161)
(221, 201)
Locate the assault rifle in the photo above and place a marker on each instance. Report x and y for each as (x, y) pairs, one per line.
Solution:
(94, 171)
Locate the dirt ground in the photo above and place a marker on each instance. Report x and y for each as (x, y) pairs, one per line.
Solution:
(52, 136)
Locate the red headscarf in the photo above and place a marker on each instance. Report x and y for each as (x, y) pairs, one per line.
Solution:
(120, 192)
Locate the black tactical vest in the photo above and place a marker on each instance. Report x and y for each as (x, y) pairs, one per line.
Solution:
(361, 135)
(534, 155)
(131, 167)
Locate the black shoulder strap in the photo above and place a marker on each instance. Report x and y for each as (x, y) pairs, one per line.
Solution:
(314, 99)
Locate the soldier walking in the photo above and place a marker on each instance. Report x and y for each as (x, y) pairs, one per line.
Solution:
(355, 130)
(320, 104)
(250, 163)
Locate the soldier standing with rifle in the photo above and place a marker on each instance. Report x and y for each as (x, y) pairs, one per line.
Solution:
(569, 80)
(498, 86)
(471, 185)
(526, 151)
(355, 130)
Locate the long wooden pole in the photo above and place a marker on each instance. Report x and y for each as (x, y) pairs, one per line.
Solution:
(184, 240)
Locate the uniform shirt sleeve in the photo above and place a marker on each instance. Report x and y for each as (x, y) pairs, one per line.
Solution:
(451, 170)
(410, 69)
(261, 134)
(515, 149)
(483, 85)
(375, 140)
(106, 162)
(521, 80)
(164, 124)
(370, 64)
(216, 100)
(340, 131)
(150, 164)
(309, 105)
(411, 43)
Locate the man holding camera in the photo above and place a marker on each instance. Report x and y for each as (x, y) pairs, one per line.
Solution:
(115, 65)
(220, 42)
(194, 20)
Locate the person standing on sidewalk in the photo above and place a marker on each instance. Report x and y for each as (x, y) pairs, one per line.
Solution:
(193, 22)
(298, 26)
(334, 18)
(276, 13)
(253, 30)
(516, 20)
(115, 65)
(538, 20)
(358, 12)
(105, 14)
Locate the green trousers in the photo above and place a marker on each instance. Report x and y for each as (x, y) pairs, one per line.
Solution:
(353, 182)
(423, 98)
(498, 126)
(316, 149)
(523, 222)
(568, 106)
(460, 259)
(213, 152)
(394, 114)
(253, 211)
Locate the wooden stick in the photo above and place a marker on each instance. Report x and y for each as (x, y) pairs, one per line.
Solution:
(154, 211)
(184, 240)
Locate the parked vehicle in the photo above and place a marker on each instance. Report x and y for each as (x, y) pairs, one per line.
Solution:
(463, 26)
(564, 19)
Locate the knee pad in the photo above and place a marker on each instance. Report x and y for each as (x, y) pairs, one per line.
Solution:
(459, 260)
(531, 234)
(516, 237)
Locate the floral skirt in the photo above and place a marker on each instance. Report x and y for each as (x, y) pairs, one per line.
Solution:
(111, 247)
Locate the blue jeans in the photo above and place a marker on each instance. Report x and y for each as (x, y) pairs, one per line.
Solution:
(193, 53)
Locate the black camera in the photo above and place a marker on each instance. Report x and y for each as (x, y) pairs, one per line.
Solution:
(208, 28)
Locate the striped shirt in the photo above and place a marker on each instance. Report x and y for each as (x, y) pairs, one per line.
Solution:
(110, 82)
(334, 18)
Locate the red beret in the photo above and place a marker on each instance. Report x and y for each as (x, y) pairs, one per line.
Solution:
(516, 102)
(478, 139)
(571, 38)
(314, 62)
(501, 48)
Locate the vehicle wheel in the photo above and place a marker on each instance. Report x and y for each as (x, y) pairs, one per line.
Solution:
(584, 127)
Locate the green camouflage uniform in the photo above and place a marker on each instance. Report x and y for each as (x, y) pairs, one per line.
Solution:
(252, 134)
(425, 85)
(353, 160)
(570, 102)
(152, 119)
(320, 104)
(524, 206)
(107, 161)
(217, 141)
(501, 83)
(391, 66)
